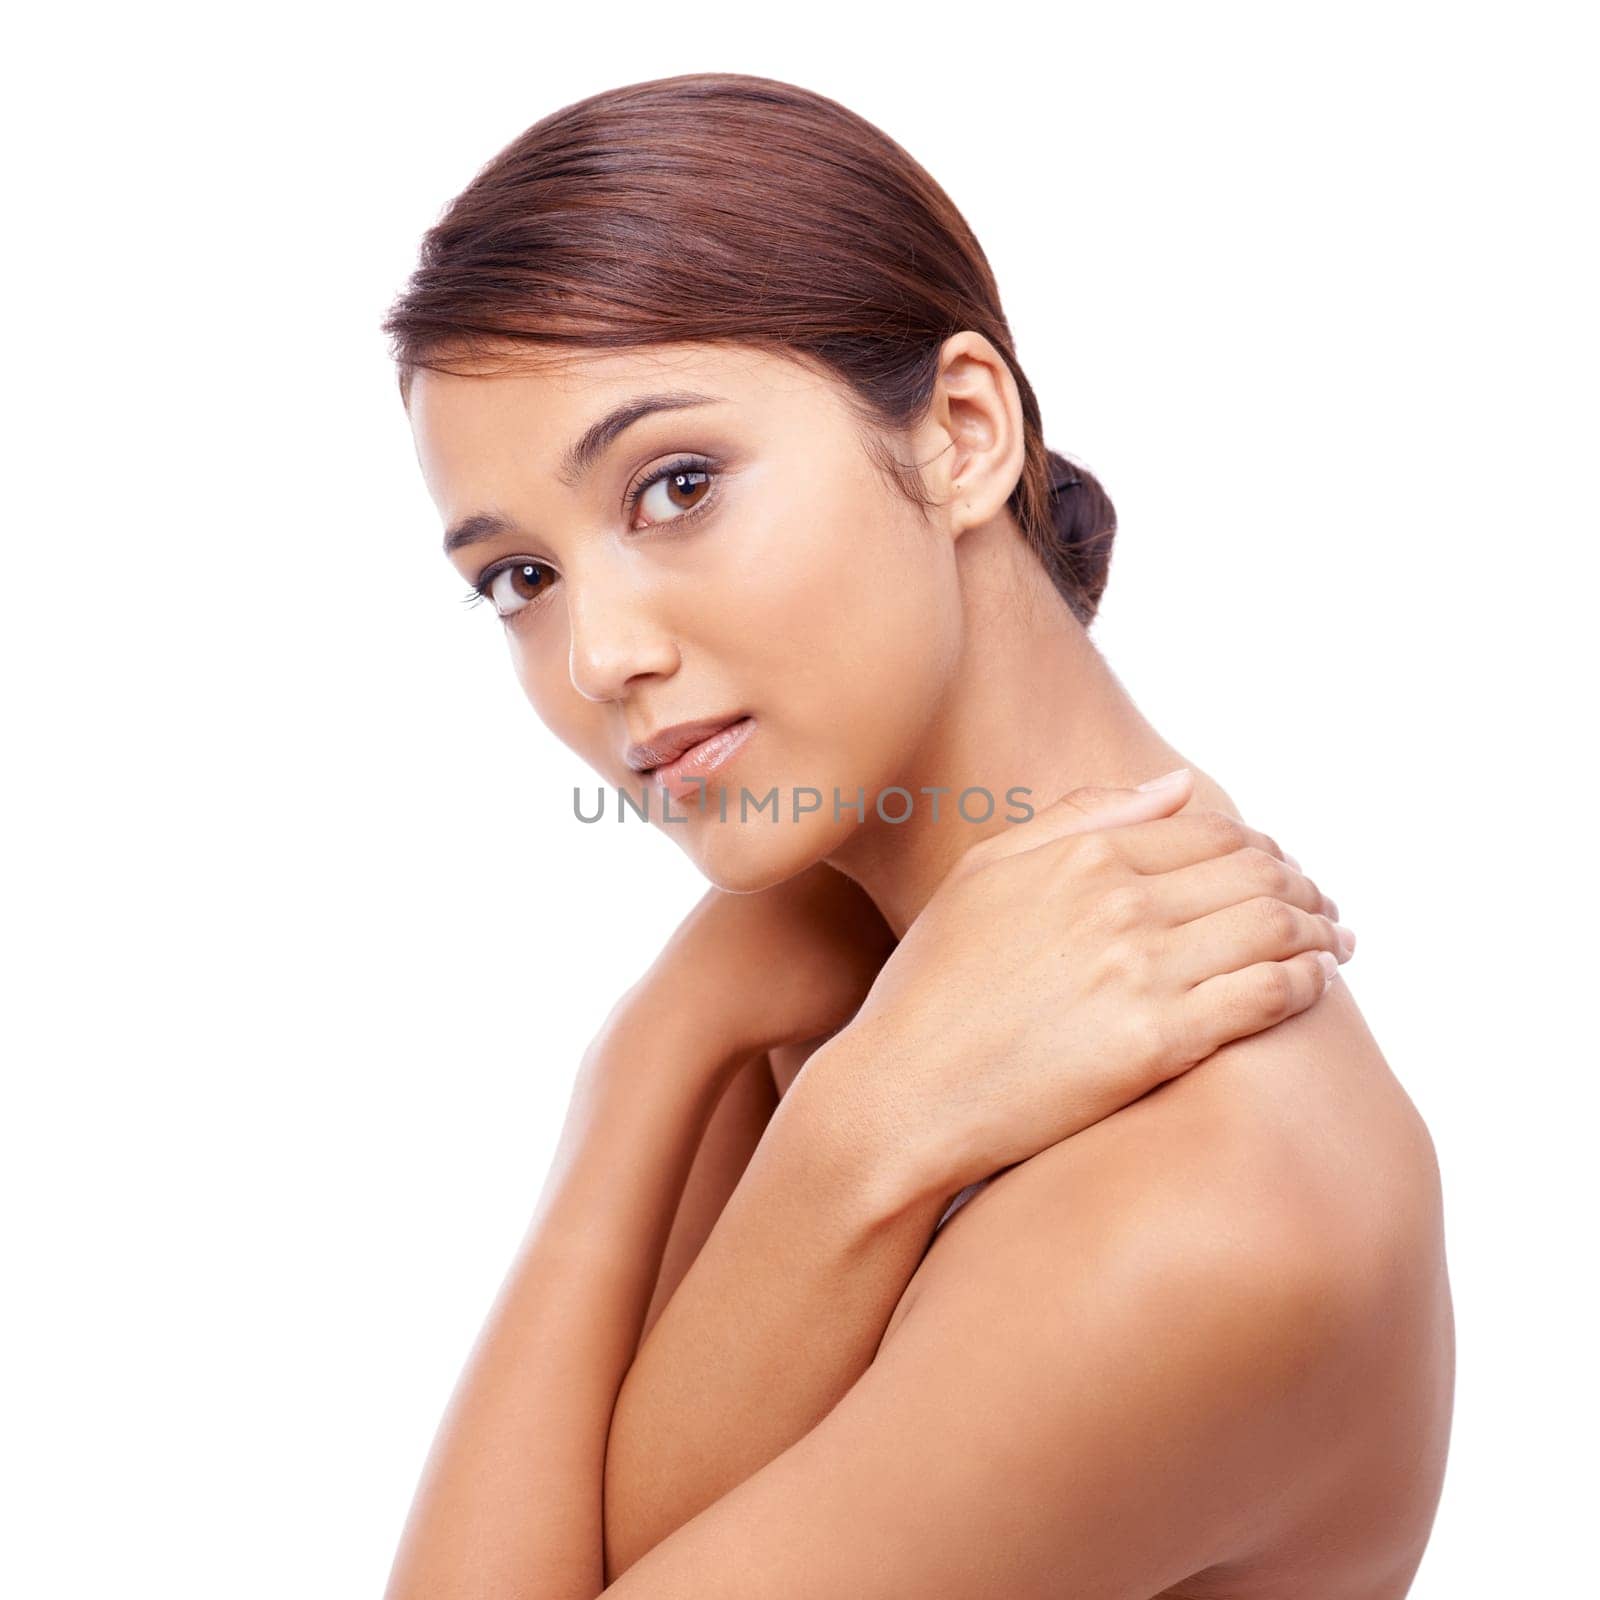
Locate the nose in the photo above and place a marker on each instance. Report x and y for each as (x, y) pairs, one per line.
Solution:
(616, 636)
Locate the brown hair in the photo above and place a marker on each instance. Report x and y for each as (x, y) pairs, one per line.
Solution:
(722, 207)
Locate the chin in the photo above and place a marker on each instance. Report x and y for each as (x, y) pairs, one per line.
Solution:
(747, 857)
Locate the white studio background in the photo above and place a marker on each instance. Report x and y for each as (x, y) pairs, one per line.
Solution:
(303, 942)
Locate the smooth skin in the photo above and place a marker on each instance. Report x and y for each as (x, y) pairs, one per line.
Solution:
(713, 1394)
(1201, 1345)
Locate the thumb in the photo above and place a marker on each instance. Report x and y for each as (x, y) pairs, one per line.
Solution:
(1093, 806)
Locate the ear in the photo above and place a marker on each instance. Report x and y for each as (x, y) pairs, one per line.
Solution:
(972, 438)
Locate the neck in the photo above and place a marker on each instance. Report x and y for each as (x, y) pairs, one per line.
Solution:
(1031, 704)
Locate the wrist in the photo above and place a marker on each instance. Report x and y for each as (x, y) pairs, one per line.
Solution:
(896, 1164)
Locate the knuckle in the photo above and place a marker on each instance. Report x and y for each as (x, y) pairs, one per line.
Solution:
(1125, 960)
(1224, 833)
(1278, 921)
(1113, 958)
(1095, 851)
(1266, 872)
(1124, 907)
(1275, 989)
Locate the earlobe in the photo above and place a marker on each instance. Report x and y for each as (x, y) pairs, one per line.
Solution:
(955, 502)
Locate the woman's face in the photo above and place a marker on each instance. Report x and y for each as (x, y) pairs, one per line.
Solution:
(735, 557)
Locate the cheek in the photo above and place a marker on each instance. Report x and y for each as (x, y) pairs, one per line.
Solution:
(856, 621)
(540, 658)
(840, 580)
(535, 659)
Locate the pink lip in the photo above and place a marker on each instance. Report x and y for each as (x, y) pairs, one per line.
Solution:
(665, 745)
(701, 760)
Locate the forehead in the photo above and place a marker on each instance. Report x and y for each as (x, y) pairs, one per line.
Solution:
(530, 407)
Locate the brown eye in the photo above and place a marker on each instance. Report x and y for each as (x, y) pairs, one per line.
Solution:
(514, 587)
(673, 493)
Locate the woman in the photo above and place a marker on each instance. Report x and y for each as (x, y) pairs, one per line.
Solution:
(997, 1296)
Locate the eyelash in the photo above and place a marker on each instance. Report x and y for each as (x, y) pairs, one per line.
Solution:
(479, 592)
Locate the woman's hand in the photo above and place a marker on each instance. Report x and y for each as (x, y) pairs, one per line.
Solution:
(779, 966)
(1071, 964)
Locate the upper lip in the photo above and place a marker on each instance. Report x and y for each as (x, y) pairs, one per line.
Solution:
(667, 744)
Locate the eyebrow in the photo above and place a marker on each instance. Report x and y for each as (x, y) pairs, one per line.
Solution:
(580, 456)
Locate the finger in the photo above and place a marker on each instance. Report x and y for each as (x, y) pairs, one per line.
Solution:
(1242, 935)
(1184, 894)
(1086, 808)
(1233, 1005)
(1163, 844)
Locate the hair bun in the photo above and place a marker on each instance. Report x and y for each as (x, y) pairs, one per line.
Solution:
(1084, 525)
(1063, 475)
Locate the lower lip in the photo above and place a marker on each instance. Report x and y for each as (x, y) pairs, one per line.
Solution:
(699, 761)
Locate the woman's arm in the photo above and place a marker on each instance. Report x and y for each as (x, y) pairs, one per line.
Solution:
(1106, 1407)
(510, 1501)
(777, 1316)
(971, 1460)
(786, 1305)
(776, 972)
(730, 1139)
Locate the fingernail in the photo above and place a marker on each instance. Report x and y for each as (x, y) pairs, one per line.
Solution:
(1167, 780)
(1329, 963)
(1347, 937)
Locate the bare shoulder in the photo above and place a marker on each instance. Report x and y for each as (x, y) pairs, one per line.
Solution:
(1135, 1365)
(1300, 1136)
(1279, 1207)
